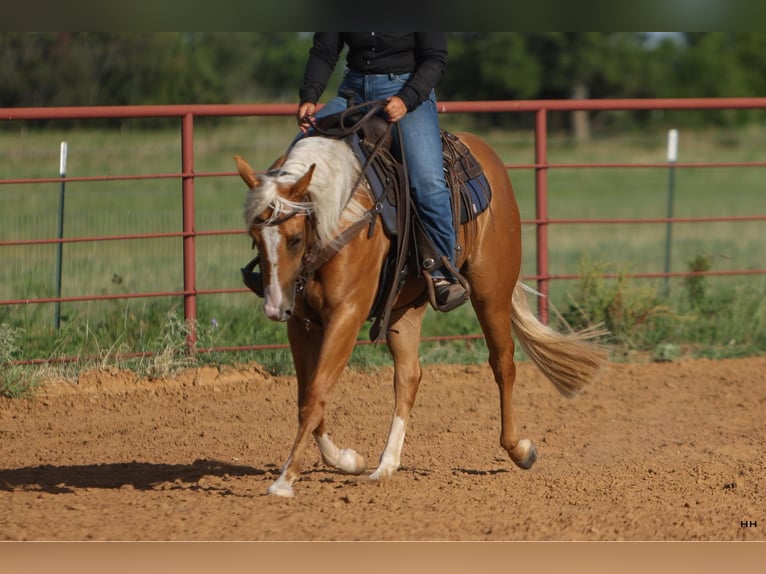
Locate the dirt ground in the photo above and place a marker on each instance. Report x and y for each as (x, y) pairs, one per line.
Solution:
(651, 451)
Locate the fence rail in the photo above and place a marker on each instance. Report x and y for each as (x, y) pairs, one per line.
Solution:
(188, 175)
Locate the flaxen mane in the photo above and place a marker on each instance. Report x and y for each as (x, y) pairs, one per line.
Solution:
(330, 191)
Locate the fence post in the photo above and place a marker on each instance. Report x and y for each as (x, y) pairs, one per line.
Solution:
(672, 157)
(60, 245)
(541, 210)
(190, 272)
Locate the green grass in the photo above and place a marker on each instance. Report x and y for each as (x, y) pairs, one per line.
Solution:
(106, 329)
(15, 381)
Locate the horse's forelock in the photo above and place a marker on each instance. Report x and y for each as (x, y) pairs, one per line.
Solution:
(260, 198)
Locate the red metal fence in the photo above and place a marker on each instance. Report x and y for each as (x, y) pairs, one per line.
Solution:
(187, 176)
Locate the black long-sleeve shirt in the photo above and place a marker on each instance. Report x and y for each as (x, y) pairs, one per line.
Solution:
(424, 54)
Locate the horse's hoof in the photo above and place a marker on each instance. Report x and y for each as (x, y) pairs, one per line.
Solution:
(524, 454)
(282, 488)
(381, 474)
(351, 461)
(385, 470)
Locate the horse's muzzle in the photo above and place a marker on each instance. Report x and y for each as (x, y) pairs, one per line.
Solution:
(253, 279)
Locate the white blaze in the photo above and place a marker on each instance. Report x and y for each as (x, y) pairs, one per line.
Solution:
(272, 292)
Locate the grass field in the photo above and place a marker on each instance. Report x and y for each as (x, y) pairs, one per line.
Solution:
(147, 206)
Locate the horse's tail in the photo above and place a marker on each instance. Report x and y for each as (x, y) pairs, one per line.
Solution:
(568, 360)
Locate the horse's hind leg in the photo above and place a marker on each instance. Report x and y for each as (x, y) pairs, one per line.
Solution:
(403, 339)
(494, 315)
(344, 459)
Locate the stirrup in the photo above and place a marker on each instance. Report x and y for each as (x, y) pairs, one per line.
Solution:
(444, 294)
(448, 295)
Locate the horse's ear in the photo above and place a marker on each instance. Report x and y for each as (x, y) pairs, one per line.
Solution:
(301, 186)
(246, 172)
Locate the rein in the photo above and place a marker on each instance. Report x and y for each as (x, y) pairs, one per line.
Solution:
(344, 131)
(403, 211)
(314, 260)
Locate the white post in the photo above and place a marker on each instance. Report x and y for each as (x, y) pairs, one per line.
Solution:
(672, 158)
(60, 246)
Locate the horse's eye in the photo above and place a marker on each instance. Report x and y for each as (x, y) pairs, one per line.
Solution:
(294, 241)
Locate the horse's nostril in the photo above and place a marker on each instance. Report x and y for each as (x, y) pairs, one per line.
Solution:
(289, 313)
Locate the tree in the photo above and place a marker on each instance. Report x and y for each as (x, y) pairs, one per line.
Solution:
(103, 68)
(539, 65)
(255, 65)
(108, 68)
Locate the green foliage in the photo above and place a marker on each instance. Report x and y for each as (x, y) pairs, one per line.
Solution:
(168, 348)
(15, 381)
(696, 285)
(119, 68)
(137, 68)
(627, 310)
(103, 68)
(725, 322)
(484, 65)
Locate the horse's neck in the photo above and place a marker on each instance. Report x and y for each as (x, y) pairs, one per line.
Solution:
(348, 228)
(353, 210)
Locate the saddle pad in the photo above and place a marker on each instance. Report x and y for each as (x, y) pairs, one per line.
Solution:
(380, 177)
(474, 193)
(474, 198)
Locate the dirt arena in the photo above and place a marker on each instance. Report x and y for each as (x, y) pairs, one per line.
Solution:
(651, 451)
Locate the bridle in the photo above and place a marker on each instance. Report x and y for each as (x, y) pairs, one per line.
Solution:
(276, 221)
(253, 279)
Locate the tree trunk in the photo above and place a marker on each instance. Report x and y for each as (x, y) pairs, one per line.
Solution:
(580, 118)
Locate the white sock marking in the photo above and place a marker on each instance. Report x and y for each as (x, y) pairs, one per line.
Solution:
(390, 460)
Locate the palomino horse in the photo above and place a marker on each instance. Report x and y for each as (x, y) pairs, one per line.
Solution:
(303, 204)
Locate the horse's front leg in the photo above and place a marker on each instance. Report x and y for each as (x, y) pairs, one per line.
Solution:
(319, 358)
(344, 459)
(307, 344)
(403, 339)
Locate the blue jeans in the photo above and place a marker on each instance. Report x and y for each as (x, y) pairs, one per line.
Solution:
(422, 147)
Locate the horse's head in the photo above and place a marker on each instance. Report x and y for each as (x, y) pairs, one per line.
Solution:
(278, 217)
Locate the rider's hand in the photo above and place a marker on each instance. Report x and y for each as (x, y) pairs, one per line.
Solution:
(395, 109)
(306, 116)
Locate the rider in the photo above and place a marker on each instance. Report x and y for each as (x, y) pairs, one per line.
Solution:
(403, 69)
